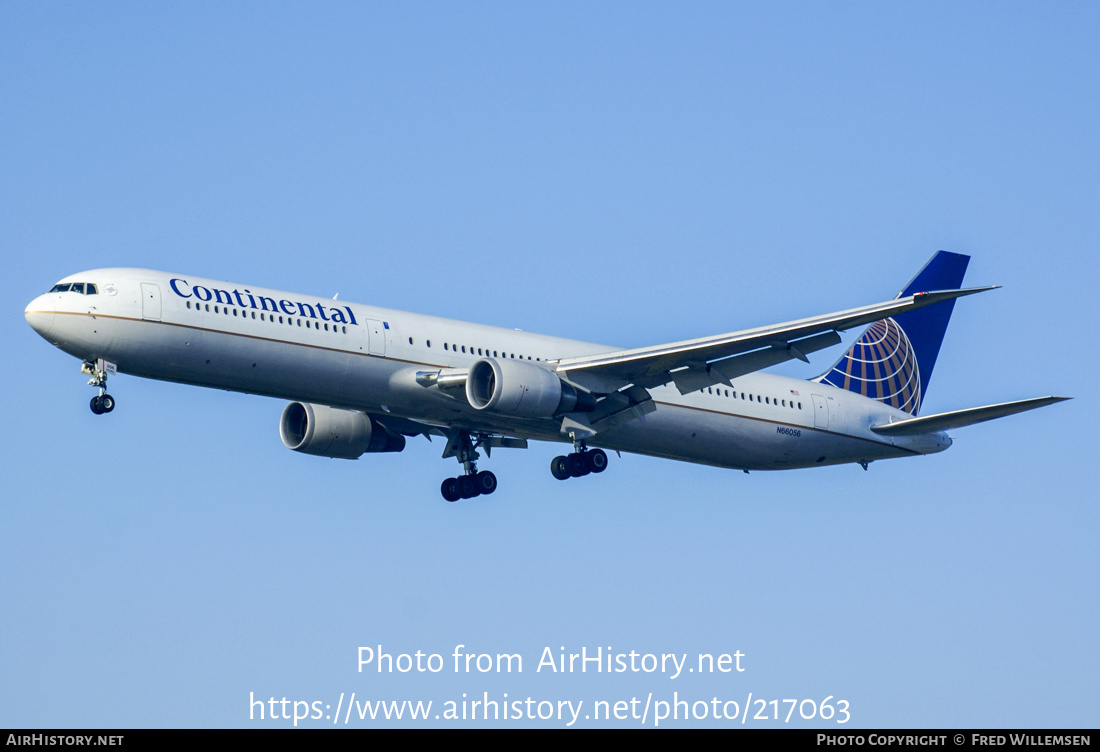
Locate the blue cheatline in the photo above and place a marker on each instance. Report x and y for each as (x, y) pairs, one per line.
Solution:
(893, 360)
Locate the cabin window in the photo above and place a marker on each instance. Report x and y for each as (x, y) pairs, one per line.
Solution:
(429, 343)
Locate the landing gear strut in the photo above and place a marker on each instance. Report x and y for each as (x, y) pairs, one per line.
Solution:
(102, 402)
(471, 483)
(581, 462)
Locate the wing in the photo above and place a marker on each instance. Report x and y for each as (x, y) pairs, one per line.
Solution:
(697, 363)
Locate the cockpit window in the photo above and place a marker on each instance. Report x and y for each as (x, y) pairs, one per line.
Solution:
(84, 288)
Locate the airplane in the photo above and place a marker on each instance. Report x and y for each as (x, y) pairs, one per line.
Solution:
(360, 379)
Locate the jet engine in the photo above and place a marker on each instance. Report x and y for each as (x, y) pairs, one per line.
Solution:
(331, 432)
(525, 390)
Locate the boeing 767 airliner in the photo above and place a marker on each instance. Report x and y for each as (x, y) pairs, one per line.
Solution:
(361, 379)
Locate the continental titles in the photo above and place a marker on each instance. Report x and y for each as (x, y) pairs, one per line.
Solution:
(338, 315)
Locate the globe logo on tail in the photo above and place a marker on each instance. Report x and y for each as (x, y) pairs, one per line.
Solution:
(882, 365)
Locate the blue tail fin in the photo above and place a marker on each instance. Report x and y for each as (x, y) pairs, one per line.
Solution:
(893, 360)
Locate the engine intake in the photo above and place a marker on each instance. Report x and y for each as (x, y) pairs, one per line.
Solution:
(331, 432)
(522, 389)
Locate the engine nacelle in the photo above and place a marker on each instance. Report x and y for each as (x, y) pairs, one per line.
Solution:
(331, 432)
(525, 390)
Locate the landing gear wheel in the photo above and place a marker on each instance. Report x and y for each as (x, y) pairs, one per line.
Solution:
(485, 482)
(596, 460)
(559, 468)
(103, 403)
(577, 464)
(466, 487)
(449, 489)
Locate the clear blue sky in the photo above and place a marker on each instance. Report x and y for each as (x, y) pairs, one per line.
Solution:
(629, 173)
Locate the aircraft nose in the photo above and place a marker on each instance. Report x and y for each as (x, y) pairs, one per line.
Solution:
(40, 314)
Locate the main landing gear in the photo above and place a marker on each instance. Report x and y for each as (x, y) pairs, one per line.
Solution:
(468, 486)
(102, 402)
(471, 483)
(579, 463)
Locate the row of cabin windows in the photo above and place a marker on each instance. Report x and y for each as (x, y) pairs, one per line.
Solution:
(753, 397)
(317, 325)
(486, 351)
(267, 317)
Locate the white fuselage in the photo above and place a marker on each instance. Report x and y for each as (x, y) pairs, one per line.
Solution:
(191, 330)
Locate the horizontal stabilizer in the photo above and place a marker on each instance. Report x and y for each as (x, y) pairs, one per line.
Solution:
(960, 418)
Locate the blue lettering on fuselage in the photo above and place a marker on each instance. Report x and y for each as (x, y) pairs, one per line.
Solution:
(184, 289)
(176, 290)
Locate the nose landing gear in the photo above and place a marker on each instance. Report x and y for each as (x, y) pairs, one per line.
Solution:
(103, 402)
